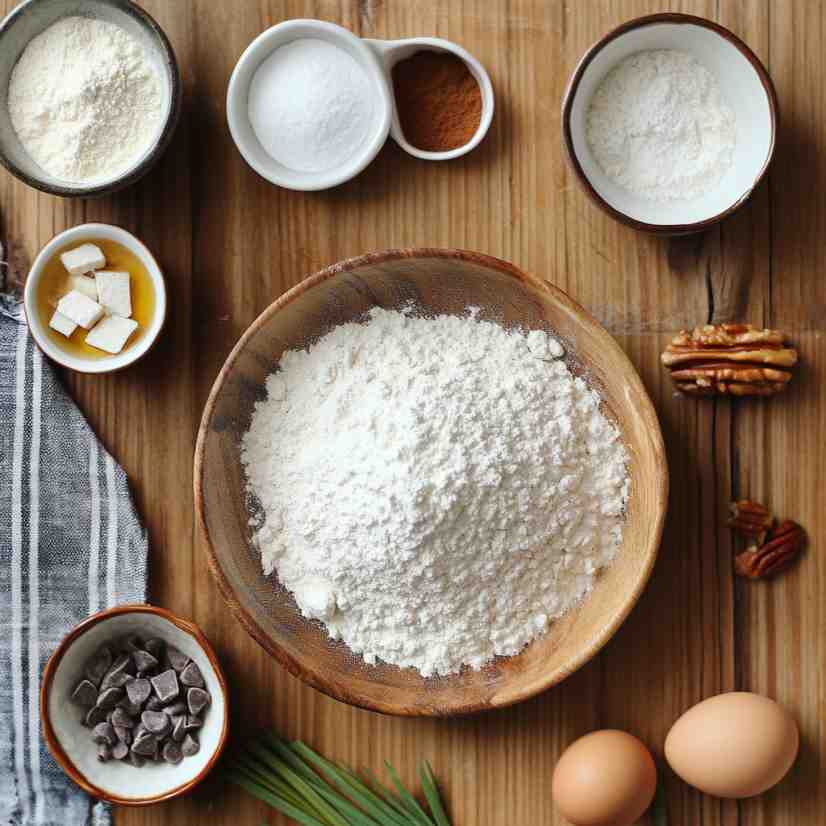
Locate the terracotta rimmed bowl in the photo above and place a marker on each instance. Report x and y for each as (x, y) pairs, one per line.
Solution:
(440, 281)
(745, 86)
(70, 742)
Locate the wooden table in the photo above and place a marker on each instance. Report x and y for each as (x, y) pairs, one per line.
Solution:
(231, 243)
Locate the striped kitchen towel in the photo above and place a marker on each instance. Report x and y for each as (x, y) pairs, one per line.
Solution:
(70, 544)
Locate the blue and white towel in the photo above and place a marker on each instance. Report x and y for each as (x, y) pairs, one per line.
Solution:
(70, 544)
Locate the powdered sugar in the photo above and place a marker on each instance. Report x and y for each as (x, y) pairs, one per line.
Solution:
(658, 126)
(311, 105)
(85, 100)
(435, 491)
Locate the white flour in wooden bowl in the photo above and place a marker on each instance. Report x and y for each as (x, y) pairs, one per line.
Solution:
(435, 491)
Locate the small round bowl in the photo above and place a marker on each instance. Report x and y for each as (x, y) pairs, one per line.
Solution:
(437, 281)
(745, 85)
(69, 740)
(390, 52)
(238, 94)
(38, 326)
(31, 18)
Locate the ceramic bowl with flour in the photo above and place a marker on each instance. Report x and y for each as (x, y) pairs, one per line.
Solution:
(669, 123)
(391, 335)
(57, 137)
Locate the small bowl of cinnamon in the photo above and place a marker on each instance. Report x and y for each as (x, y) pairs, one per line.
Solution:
(443, 97)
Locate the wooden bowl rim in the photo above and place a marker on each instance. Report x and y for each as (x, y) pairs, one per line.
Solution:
(333, 686)
(52, 742)
(573, 86)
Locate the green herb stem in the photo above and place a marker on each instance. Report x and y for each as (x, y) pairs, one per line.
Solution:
(314, 791)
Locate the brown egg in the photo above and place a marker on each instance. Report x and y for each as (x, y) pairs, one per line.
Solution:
(733, 745)
(606, 778)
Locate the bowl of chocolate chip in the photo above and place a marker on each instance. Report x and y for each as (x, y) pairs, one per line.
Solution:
(134, 705)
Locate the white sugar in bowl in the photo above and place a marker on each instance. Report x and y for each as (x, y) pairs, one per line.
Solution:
(347, 137)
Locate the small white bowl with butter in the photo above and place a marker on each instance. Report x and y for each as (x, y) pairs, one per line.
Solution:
(95, 299)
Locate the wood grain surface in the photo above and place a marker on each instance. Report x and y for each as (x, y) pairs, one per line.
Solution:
(231, 243)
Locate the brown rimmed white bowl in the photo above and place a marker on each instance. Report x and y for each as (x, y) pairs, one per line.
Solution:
(70, 742)
(439, 281)
(745, 86)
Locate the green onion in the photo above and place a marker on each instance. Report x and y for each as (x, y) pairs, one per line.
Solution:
(314, 791)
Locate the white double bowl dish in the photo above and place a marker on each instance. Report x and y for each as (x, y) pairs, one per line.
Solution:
(377, 58)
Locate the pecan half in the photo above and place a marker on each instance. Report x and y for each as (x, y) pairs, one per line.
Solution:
(751, 519)
(730, 359)
(776, 555)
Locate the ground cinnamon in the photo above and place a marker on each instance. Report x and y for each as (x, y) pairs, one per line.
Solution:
(438, 100)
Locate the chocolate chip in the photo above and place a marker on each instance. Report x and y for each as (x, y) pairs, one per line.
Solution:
(104, 752)
(109, 697)
(145, 746)
(176, 708)
(138, 691)
(144, 661)
(191, 676)
(156, 722)
(104, 733)
(177, 659)
(154, 704)
(197, 699)
(172, 752)
(121, 718)
(131, 644)
(193, 722)
(166, 686)
(98, 665)
(117, 675)
(85, 694)
(119, 680)
(94, 716)
(123, 734)
(136, 760)
(190, 746)
(154, 647)
(179, 727)
(132, 709)
(120, 751)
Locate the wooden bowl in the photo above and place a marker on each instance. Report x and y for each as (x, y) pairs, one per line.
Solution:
(70, 742)
(440, 281)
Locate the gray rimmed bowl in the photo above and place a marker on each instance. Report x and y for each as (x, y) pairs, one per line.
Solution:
(30, 19)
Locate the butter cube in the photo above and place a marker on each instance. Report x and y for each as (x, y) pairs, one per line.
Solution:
(85, 258)
(64, 326)
(111, 333)
(84, 284)
(80, 309)
(113, 292)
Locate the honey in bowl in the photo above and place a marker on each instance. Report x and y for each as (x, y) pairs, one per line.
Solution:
(56, 283)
